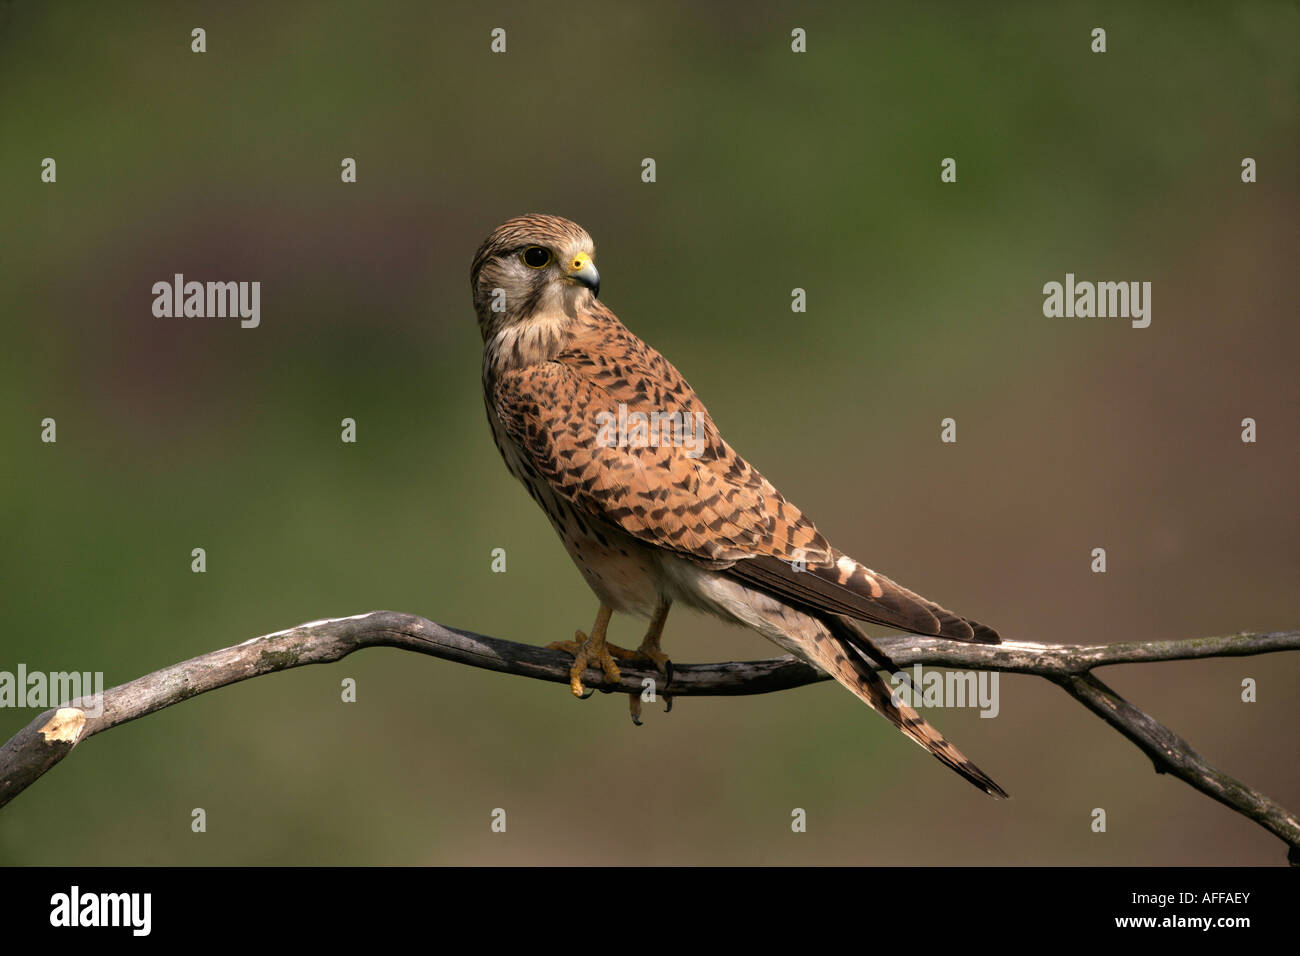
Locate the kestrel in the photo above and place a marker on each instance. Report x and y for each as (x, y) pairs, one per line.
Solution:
(668, 512)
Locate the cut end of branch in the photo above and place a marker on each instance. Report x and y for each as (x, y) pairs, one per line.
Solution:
(65, 726)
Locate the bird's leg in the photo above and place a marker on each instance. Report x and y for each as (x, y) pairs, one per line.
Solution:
(649, 650)
(590, 649)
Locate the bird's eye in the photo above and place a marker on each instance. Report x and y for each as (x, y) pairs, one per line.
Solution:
(537, 257)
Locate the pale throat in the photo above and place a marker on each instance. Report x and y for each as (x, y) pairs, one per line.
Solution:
(538, 338)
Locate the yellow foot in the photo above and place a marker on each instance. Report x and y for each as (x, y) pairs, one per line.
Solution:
(587, 651)
(643, 653)
(649, 651)
(659, 659)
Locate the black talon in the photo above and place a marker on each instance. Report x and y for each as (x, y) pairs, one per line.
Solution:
(668, 673)
(668, 703)
(636, 720)
(589, 692)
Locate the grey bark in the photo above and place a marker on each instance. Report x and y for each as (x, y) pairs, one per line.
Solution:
(56, 732)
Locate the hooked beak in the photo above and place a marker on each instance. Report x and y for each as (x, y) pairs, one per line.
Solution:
(582, 270)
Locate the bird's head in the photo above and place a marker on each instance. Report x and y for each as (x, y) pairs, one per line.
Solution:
(532, 268)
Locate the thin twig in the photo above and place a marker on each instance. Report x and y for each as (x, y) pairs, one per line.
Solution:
(53, 734)
(1171, 754)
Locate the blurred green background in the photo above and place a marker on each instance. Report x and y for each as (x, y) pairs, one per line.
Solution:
(775, 170)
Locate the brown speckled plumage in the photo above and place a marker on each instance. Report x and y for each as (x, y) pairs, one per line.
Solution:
(649, 524)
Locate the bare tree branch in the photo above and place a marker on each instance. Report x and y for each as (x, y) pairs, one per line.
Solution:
(53, 734)
(1171, 754)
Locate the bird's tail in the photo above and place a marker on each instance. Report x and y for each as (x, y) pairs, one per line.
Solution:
(848, 655)
(835, 644)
